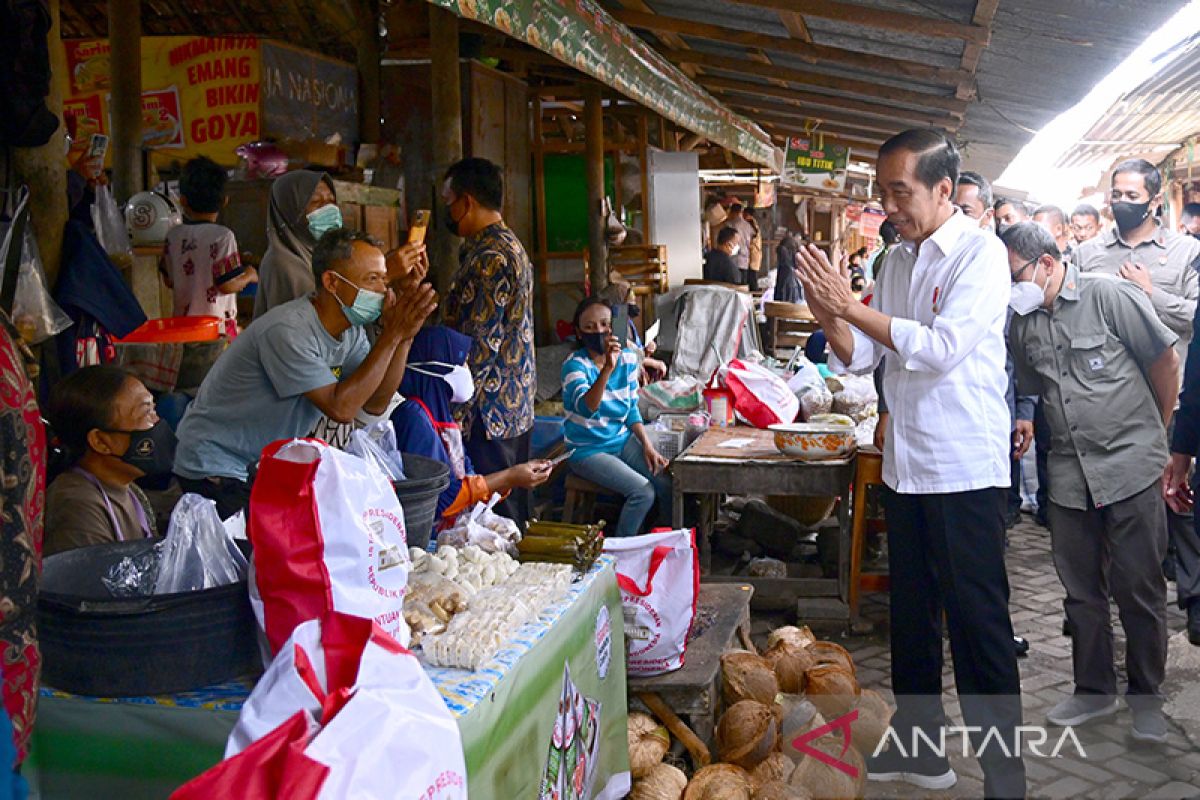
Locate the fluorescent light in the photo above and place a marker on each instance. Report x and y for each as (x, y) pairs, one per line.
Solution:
(1033, 169)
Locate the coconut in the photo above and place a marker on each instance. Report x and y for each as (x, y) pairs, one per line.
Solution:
(746, 733)
(778, 790)
(823, 781)
(648, 743)
(832, 689)
(874, 714)
(790, 662)
(831, 653)
(746, 676)
(798, 716)
(775, 767)
(719, 782)
(662, 782)
(801, 637)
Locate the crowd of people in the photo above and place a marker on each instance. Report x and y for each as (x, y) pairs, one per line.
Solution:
(1079, 354)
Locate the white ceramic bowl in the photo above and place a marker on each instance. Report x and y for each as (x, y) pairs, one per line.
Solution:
(814, 441)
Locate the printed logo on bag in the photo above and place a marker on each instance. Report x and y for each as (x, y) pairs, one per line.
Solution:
(645, 636)
(386, 550)
(603, 642)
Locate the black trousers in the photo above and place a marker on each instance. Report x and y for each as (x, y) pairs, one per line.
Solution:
(492, 455)
(230, 494)
(946, 553)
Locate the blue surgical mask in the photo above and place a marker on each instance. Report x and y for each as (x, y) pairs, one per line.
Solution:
(324, 219)
(367, 305)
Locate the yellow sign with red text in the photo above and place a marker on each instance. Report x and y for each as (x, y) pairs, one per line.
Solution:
(201, 95)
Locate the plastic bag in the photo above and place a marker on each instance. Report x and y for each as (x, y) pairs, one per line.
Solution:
(197, 554)
(857, 398)
(809, 387)
(376, 444)
(134, 576)
(677, 394)
(109, 223)
(484, 528)
(34, 313)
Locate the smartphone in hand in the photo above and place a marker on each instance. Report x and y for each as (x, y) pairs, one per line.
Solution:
(621, 325)
(419, 227)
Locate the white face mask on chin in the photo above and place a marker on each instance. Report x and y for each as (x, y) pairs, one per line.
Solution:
(1026, 296)
(737, 248)
(459, 378)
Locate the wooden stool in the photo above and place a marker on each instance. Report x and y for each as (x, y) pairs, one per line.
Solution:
(869, 471)
(579, 507)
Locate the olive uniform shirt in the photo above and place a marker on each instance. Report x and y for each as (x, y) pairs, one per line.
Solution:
(1170, 258)
(1088, 358)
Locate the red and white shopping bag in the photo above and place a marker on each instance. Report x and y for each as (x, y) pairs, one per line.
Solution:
(328, 535)
(659, 577)
(344, 711)
(761, 397)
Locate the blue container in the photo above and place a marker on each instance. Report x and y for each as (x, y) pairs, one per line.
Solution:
(547, 432)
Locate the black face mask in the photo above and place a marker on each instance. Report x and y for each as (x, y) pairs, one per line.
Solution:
(451, 222)
(595, 342)
(1129, 215)
(151, 451)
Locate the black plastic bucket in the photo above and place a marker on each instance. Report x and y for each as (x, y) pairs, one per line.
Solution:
(427, 479)
(96, 644)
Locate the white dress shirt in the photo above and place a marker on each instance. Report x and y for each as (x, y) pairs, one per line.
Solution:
(945, 382)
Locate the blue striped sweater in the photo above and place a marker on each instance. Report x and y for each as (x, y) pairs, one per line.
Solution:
(607, 429)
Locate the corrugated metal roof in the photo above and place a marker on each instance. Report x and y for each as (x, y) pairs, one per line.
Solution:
(1151, 120)
(1043, 57)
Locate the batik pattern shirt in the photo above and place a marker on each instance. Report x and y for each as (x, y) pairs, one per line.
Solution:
(491, 300)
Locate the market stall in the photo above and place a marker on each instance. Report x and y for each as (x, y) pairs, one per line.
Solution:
(507, 713)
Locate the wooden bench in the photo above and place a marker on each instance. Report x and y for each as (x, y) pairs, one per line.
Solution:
(693, 692)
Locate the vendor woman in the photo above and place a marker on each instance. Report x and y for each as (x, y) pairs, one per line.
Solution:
(603, 425)
(435, 380)
(105, 418)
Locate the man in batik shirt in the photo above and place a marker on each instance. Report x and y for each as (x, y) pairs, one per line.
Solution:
(491, 300)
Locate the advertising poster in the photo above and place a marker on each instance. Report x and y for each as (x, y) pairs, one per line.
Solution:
(816, 163)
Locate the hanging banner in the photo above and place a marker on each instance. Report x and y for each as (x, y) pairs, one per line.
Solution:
(582, 35)
(816, 162)
(206, 95)
(869, 222)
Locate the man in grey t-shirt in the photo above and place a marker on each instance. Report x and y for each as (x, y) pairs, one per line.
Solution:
(302, 359)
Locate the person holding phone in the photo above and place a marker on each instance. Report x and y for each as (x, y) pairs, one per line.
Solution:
(603, 424)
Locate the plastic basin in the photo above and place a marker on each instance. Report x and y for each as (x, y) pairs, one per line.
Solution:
(96, 644)
(175, 330)
(427, 479)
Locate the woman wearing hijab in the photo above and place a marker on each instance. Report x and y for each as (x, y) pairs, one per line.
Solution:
(303, 206)
(435, 378)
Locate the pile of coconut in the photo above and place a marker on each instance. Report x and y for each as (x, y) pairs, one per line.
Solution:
(770, 700)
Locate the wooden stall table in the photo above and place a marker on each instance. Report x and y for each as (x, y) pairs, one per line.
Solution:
(693, 691)
(744, 460)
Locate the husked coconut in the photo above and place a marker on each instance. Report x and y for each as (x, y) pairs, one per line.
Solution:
(662, 782)
(746, 733)
(801, 637)
(719, 782)
(746, 676)
(648, 743)
(790, 662)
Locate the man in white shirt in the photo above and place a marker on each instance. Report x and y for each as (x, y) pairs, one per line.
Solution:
(938, 314)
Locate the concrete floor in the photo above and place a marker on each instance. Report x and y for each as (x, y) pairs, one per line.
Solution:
(1115, 766)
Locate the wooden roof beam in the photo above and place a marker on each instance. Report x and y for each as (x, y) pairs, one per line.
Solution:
(669, 39)
(985, 13)
(796, 126)
(872, 17)
(816, 114)
(865, 88)
(812, 53)
(880, 108)
(797, 28)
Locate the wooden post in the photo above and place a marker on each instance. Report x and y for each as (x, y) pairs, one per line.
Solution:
(369, 129)
(41, 168)
(447, 134)
(540, 258)
(125, 39)
(593, 120)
